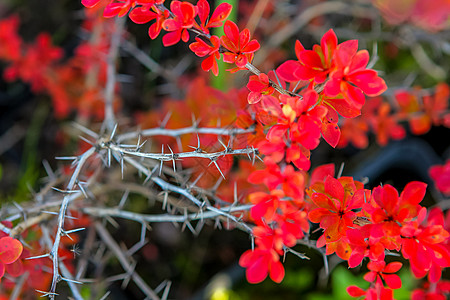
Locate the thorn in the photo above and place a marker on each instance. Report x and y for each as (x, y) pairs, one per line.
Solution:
(197, 149)
(220, 141)
(112, 222)
(71, 280)
(162, 153)
(82, 189)
(195, 122)
(341, 170)
(165, 120)
(38, 256)
(216, 185)
(121, 164)
(86, 130)
(48, 169)
(86, 140)
(123, 199)
(217, 223)
(166, 290)
(113, 132)
(45, 294)
(64, 191)
(165, 199)
(217, 166)
(143, 231)
(179, 144)
(173, 158)
(109, 158)
(73, 230)
(66, 157)
(235, 197)
(105, 295)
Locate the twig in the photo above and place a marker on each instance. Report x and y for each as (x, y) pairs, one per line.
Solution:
(114, 247)
(109, 121)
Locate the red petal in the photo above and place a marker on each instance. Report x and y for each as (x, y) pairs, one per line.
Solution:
(252, 46)
(328, 44)
(334, 188)
(171, 38)
(344, 108)
(276, 271)
(310, 59)
(345, 52)
(203, 10)
(331, 133)
(413, 193)
(323, 201)
(355, 291)
(369, 82)
(140, 15)
(316, 215)
(10, 249)
(88, 4)
(286, 71)
(232, 33)
(258, 271)
(355, 259)
(220, 14)
(393, 281)
(359, 61)
(171, 25)
(393, 267)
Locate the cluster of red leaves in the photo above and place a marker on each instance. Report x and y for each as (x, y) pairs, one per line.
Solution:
(431, 16)
(419, 108)
(40, 65)
(441, 176)
(356, 222)
(235, 46)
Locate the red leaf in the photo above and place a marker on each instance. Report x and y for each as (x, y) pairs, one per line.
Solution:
(331, 133)
(355, 291)
(286, 70)
(393, 281)
(10, 249)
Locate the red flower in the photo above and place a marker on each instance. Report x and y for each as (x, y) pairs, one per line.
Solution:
(201, 48)
(184, 14)
(382, 122)
(351, 78)
(10, 42)
(379, 271)
(265, 204)
(239, 48)
(146, 13)
(422, 245)
(311, 64)
(120, 8)
(219, 15)
(258, 85)
(363, 245)
(389, 211)
(260, 263)
(335, 205)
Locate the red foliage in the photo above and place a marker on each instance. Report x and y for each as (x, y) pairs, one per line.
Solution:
(239, 47)
(441, 177)
(184, 14)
